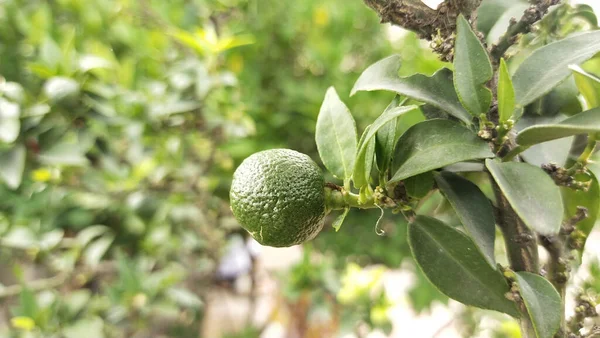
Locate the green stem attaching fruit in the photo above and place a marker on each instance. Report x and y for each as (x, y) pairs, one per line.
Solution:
(338, 198)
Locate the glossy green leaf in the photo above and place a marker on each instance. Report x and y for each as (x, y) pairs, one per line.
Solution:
(337, 223)
(436, 90)
(364, 160)
(506, 93)
(588, 85)
(385, 139)
(548, 66)
(420, 185)
(433, 144)
(556, 151)
(336, 136)
(531, 193)
(542, 301)
(473, 209)
(472, 69)
(455, 266)
(582, 123)
(390, 114)
(384, 145)
(589, 199)
(12, 165)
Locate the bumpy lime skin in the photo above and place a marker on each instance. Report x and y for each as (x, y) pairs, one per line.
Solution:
(278, 196)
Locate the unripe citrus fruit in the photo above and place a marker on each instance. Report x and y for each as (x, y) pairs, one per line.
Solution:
(278, 196)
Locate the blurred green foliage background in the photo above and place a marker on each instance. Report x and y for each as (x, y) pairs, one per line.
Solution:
(121, 122)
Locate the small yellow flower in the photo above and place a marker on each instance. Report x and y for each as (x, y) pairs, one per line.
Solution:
(23, 323)
(41, 175)
(320, 17)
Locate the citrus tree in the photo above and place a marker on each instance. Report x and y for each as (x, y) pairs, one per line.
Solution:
(504, 136)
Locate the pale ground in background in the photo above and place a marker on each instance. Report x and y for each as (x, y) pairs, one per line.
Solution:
(227, 308)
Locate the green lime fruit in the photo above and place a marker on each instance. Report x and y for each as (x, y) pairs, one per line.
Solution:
(278, 196)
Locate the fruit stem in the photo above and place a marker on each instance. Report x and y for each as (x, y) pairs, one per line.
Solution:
(338, 198)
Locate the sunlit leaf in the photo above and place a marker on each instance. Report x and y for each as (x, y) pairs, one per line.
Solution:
(336, 136)
(588, 85)
(506, 93)
(548, 66)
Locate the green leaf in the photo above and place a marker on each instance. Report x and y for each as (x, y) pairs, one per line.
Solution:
(473, 209)
(588, 85)
(10, 125)
(433, 144)
(556, 151)
(385, 139)
(12, 165)
(582, 123)
(490, 12)
(94, 252)
(420, 185)
(589, 199)
(586, 13)
(336, 136)
(337, 223)
(542, 301)
(455, 266)
(184, 297)
(436, 90)
(65, 152)
(548, 66)
(364, 160)
(531, 193)
(472, 69)
(61, 88)
(86, 327)
(91, 62)
(50, 53)
(506, 93)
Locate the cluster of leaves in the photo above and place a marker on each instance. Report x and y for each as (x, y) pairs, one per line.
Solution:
(442, 131)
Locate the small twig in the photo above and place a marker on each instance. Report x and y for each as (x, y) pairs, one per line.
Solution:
(533, 14)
